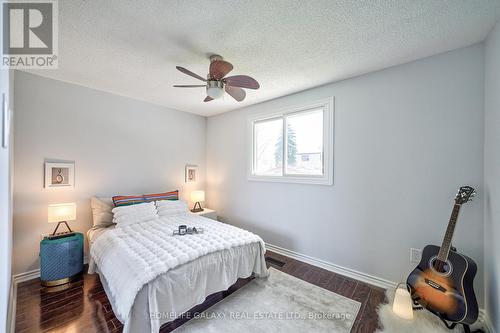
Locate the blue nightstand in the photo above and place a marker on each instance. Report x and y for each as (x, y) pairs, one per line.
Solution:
(61, 259)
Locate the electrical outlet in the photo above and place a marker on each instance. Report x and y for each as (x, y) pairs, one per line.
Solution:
(415, 255)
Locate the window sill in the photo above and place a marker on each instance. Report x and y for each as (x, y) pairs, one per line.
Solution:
(319, 180)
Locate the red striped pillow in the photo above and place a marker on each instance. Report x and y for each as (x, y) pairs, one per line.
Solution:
(127, 200)
(172, 195)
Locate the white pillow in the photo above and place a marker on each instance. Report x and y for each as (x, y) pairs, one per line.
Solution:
(171, 207)
(145, 207)
(101, 211)
(127, 215)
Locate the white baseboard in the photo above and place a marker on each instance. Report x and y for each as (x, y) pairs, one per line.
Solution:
(482, 321)
(16, 279)
(30, 275)
(367, 278)
(26, 276)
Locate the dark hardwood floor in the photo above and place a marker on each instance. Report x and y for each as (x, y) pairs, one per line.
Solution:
(84, 307)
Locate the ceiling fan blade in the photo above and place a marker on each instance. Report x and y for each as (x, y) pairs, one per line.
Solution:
(189, 85)
(242, 81)
(208, 99)
(235, 92)
(188, 72)
(219, 69)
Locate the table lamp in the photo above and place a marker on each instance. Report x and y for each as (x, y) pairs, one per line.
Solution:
(197, 197)
(402, 305)
(62, 213)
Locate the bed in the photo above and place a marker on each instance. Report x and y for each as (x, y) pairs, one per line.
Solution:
(152, 277)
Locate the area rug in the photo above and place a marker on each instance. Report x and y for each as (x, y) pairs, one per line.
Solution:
(279, 303)
(423, 320)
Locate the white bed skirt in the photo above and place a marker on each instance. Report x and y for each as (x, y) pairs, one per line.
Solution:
(175, 292)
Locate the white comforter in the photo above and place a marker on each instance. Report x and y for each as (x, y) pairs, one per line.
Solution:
(131, 256)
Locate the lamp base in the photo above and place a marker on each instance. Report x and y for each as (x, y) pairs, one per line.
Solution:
(197, 210)
(61, 235)
(56, 235)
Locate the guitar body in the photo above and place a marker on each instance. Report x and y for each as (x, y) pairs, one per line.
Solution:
(448, 294)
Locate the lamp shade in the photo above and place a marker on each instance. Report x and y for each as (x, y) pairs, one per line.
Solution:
(62, 212)
(402, 305)
(197, 196)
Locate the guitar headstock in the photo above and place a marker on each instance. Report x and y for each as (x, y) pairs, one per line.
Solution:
(465, 194)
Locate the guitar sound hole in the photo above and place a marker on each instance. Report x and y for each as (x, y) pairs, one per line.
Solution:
(441, 266)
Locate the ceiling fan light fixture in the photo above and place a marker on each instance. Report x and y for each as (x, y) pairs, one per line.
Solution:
(215, 89)
(218, 83)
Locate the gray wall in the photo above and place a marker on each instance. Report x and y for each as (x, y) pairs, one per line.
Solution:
(492, 177)
(119, 145)
(405, 139)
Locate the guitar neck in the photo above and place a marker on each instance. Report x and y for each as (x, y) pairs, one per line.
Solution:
(446, 246)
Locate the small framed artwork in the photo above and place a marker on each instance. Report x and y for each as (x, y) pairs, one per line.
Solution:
(59, 175)
(191, 173)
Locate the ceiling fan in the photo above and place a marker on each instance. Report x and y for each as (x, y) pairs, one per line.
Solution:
(216, 82)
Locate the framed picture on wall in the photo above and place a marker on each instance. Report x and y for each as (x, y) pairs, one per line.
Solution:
(191, 173)
(59, 175)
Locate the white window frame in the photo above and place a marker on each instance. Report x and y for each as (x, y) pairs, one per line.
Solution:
(327, 105)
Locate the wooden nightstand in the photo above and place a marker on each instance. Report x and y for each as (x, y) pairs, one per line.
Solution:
(208, 213)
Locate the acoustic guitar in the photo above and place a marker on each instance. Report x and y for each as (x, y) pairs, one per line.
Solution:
(443, 280)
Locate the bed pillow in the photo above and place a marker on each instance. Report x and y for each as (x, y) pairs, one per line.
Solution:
(172, 195)
(101, 211)
(127, 215)
(127, 200)
(171, 208)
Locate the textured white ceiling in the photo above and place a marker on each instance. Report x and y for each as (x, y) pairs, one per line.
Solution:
(131, 47)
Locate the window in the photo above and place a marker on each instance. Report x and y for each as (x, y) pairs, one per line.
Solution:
(293, 146)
